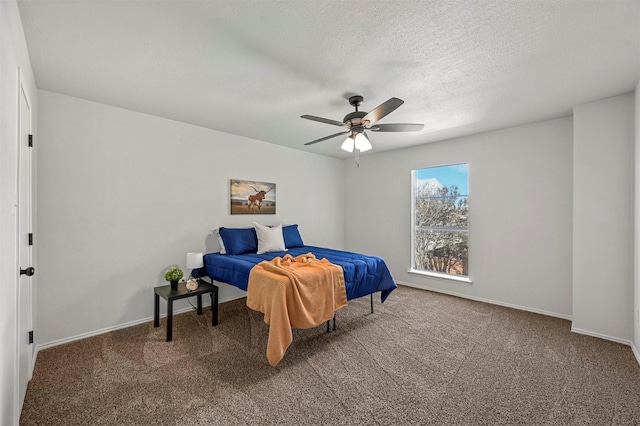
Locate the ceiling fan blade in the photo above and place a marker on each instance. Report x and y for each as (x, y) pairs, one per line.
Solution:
(397, 127)
(382, 110)
(323, 120)
(327, 137)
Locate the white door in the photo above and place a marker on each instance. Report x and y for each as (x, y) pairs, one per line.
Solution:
(24, 249)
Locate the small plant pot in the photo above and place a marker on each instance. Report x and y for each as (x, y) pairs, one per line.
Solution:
(174, 284)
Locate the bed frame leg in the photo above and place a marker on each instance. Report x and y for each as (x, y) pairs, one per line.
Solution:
(334, 324)
(371, 302)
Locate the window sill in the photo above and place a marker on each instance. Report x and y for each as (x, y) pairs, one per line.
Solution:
(446, 277)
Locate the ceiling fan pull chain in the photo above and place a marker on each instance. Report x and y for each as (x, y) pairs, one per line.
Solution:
(357, 157)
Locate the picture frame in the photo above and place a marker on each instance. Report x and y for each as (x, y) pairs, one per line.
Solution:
(252, 197)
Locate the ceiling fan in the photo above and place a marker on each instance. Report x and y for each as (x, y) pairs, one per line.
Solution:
(358, 121)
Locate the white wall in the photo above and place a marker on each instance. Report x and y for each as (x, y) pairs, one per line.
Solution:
(603, 201)
(124, 195)
(13, 54)
(520, 185)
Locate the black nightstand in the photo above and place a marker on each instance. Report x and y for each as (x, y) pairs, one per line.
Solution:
(181, 292)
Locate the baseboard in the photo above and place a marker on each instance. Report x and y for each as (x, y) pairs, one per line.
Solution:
(602, 336)
(635, 352)
(107, 330)
(492, 302)
(32, 367)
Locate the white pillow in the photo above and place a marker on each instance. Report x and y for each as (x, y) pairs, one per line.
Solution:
(216, 232)
(269, 239)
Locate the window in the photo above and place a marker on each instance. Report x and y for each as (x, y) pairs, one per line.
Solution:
(440, 234)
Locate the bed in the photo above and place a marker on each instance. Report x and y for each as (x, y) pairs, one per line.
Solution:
(244, 248)
(364, 274)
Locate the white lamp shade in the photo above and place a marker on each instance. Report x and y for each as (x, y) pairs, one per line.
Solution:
(348, 144)
(362, 142)
(194, 260)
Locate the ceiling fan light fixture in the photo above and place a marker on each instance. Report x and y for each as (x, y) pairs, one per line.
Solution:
(362, 142)
(355, 123)
(348, 144)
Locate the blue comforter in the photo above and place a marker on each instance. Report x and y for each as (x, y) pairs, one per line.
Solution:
(363, 274)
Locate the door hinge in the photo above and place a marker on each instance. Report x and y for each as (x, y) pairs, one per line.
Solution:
(30, 141)
(31, 336)
(30, 238)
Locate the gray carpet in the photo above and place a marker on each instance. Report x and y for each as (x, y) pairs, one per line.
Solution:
(422, 358)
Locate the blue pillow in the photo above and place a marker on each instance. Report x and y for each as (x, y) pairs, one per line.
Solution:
(239, 240)
(291, 236)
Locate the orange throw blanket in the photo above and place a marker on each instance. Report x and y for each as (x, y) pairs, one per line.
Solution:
(300, 292)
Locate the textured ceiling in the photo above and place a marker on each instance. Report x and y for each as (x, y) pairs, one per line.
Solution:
(251, 68)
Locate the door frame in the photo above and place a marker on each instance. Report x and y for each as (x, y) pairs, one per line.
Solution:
(23, 91)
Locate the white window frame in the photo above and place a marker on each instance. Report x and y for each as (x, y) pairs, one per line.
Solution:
(413, 269)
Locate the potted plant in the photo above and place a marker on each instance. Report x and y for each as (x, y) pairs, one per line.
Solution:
(173, 275)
